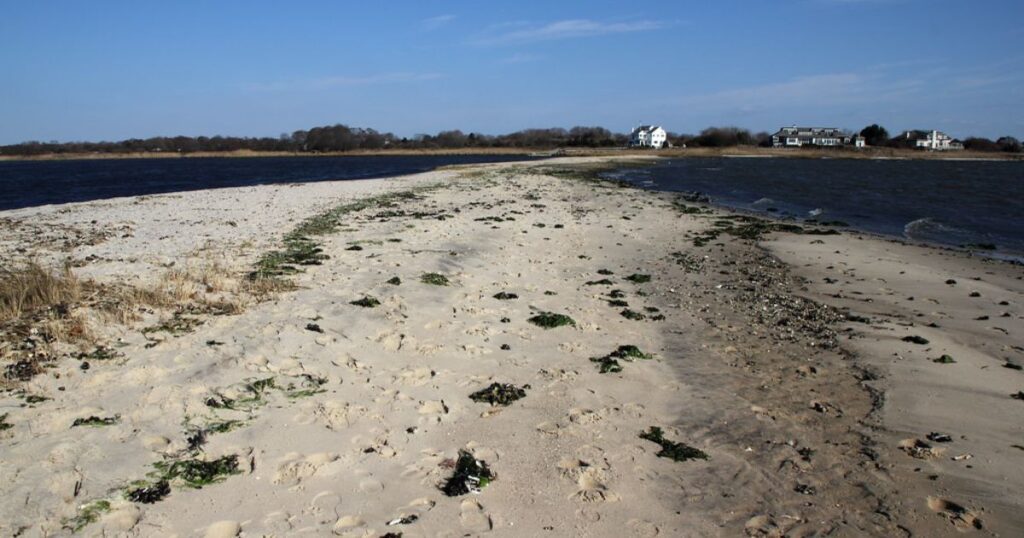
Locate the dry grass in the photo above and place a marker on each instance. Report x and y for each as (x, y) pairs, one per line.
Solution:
(30, 287)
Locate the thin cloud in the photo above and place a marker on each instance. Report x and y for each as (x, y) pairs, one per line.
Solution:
(326, 83)
(834, 89)
(433, 23)
(568, 29)
(521, 58)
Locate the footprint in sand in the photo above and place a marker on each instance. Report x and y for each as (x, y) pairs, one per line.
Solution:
(958, 515)
(351, 527)
(473, 517)
(324, 507)
(294, 468)
(642, 528)
(590, 470)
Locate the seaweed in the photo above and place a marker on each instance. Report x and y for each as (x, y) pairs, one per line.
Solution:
(87, 513)
(4, 425)
(602, 282)
(920, 340)
(366, 302)
(638, 278)
(616, 294)
(434, 279)
(633, 315)
(550, 320)
(195, 473)
(618, 303)
(354, 248)
(945, 359)
(101, 353)
(499, 394)
(147, 493)
(671, 449)
(607, 364)
(505, 296)
(471, 475)
(34, 399)
(96, 422)
(394, 281)
(314, 328)
(631, 352)
(605, 272)
(309, 386)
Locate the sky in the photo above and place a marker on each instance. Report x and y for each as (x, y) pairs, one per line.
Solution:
(107, 70)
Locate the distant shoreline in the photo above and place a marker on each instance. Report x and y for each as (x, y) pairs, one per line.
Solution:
(740, 151)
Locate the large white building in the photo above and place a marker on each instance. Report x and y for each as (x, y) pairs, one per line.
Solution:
(933, 140)
(648, 136)
(795, 137)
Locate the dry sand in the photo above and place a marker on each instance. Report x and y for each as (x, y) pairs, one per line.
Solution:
(804, 415)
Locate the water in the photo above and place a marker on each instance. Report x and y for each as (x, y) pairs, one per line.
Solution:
(35, 183)
(952, 203)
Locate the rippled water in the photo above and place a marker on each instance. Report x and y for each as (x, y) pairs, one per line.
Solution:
(947, 202)
(35, 183)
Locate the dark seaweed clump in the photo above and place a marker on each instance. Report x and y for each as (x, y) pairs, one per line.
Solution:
(638, 278)
(671, 449)
(609, 364)
(920, 340)
(394, 281)
(434, 279)
(366, 302)
(605, 272)
(945, 359)
(96, 421)
(150, 493)
(633, 315)
(549, 320)
(4, 424)
(198, 473)
(499, 394)
(602, 282)
(471, 475)
(505, 296)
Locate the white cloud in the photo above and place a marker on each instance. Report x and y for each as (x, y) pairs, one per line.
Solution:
(433, 23)
(325, 83)
(567, 29)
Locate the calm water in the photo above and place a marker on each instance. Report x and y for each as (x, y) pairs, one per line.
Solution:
(34, 183)
(946, 202)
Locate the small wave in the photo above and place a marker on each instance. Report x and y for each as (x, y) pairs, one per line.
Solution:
(931, 230)
(763, 201)
(816, 212)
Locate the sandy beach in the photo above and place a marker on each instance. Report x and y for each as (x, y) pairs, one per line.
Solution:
(664, 368)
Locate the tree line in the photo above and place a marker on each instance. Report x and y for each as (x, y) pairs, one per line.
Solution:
(341, 138)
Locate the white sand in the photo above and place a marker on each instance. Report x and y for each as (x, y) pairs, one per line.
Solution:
(371, 447)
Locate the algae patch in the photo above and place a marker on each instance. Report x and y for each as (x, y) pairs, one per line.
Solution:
(671, 449)
(550, 320)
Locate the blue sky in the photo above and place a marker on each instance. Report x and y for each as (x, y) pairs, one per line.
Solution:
(109, 70)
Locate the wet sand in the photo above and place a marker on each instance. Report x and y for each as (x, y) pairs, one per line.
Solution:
(780, 356)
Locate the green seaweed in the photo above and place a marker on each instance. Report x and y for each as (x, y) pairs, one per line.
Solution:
(366, 302)
(605, 272)
(195, 473)
(638, 278)
(87, 513)
(499, 394)
(505, 296)
(945, 359)
(434, 279)
(550, 320)
(394, 281)
(920, 340)
(607, 364)
(602, 282)
(471, 475)
(618, 303)
(4, 425)
(671, 449)
(631, 352)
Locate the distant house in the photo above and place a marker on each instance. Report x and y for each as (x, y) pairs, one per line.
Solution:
(648, 136)
(860, 141)
(932, 140)
(795, 137)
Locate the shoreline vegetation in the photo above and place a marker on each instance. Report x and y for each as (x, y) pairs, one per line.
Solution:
(419, 352)
(675, 153)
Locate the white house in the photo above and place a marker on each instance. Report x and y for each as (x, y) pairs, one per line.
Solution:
(795, 137)
(933, 140)
(648, 136)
